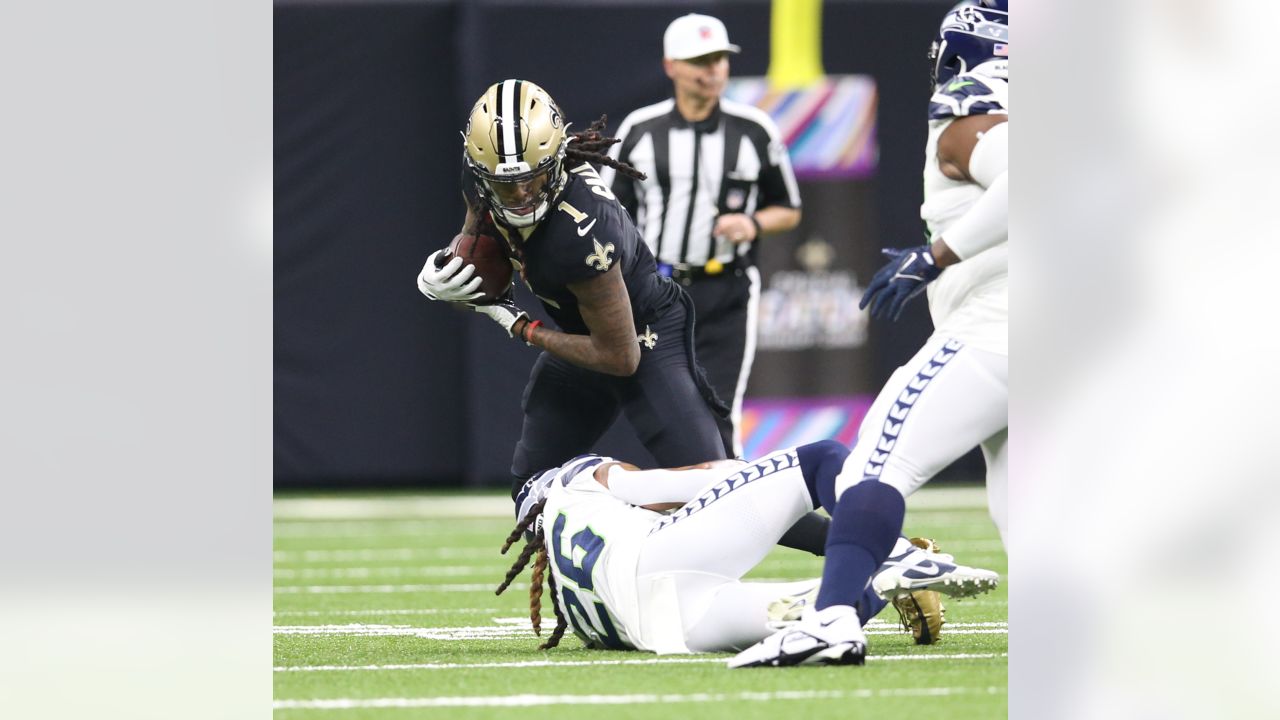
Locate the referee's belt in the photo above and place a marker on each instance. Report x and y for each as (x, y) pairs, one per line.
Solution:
(685, 273)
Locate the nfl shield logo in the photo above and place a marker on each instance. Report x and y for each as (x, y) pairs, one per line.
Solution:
(1002, 50)
(735, 198)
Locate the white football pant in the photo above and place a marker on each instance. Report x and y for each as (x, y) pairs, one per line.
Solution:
(942, 403)
(688, 572)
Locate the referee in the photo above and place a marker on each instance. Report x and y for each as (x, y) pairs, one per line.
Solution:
(718, 178)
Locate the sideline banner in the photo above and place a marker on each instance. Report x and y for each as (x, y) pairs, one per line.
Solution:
(812, 378)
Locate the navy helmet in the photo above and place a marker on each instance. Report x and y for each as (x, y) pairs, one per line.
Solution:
(972, 33)
(532, 492)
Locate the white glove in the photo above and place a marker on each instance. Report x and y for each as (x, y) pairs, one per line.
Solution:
(504, 312)
(448, 283)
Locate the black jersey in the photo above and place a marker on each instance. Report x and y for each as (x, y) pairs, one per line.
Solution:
(585, 233)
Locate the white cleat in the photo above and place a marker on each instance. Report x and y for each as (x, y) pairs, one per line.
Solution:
(831, 636)
(913, 568)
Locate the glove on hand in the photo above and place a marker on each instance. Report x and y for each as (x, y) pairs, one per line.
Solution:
(448, 283)
(503, 311)
(903, 278)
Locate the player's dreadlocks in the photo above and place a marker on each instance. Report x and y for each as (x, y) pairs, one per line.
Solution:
(590, 146)
(535, 545)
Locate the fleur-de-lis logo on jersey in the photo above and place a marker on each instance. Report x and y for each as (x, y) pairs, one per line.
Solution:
(600, 259)
(648, 339)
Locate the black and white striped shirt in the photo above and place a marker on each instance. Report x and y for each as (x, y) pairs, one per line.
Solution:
(732, 162)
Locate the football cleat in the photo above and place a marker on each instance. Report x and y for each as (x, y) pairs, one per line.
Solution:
(788, 609)
(831, 636)
(921, 612)
(913, 568)
(922, 615)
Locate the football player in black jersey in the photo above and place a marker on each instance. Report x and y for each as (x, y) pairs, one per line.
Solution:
(625, 337)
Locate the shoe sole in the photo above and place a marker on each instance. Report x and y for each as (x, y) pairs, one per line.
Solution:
(853, 653)
(951, 587)
(850, 653)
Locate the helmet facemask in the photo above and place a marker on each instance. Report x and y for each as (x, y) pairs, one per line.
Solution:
(519, 195)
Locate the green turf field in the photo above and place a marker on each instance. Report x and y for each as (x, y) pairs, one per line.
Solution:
(384, 608)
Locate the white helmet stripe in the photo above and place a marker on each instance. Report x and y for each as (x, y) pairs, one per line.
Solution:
(509, 104)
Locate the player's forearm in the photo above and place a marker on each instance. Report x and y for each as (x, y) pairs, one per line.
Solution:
(581, 350)
(649, 487)
(985, 225)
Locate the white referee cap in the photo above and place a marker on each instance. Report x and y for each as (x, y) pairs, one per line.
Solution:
(695, 35)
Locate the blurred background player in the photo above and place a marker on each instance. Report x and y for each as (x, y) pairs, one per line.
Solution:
(625, 576)
(624, 342)
(718, 177)
(953, 394)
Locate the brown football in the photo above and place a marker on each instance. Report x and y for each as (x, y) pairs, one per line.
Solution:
(489, 255)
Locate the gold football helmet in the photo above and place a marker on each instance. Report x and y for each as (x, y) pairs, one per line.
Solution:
(514, 145)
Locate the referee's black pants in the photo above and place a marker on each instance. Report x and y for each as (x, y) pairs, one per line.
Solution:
(724, 336)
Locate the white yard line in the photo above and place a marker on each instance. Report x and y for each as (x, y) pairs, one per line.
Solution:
(419, 528)
(357, 573)
(348, 589)
(399, 506)
(460, 666)
(520, 628)
(530, 700)
(382, 554)
(365, 613)
(430, 633)
(586, 663)
(456, 634)
(522, 623)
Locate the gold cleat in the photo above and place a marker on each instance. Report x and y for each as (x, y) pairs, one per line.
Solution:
(921, 612)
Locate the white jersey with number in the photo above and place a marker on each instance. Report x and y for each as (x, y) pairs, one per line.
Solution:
(593, 541)
(627, 577)
(970, 300)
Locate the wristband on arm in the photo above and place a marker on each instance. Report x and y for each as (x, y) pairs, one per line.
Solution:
(527, 333)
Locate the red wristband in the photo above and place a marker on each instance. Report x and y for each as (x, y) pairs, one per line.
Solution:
(527, 335)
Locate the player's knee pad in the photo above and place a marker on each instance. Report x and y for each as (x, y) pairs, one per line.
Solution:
(868, 515)
(821, 463)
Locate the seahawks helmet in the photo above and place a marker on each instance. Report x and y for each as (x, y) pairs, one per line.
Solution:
(514, 146)
(532, 492)
(973, 33)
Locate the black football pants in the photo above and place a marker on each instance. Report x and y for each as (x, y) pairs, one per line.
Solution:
(667, 401)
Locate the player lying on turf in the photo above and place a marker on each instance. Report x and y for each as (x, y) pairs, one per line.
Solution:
(625, 575)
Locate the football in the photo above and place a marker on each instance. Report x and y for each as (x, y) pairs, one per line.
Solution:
(488, 254)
